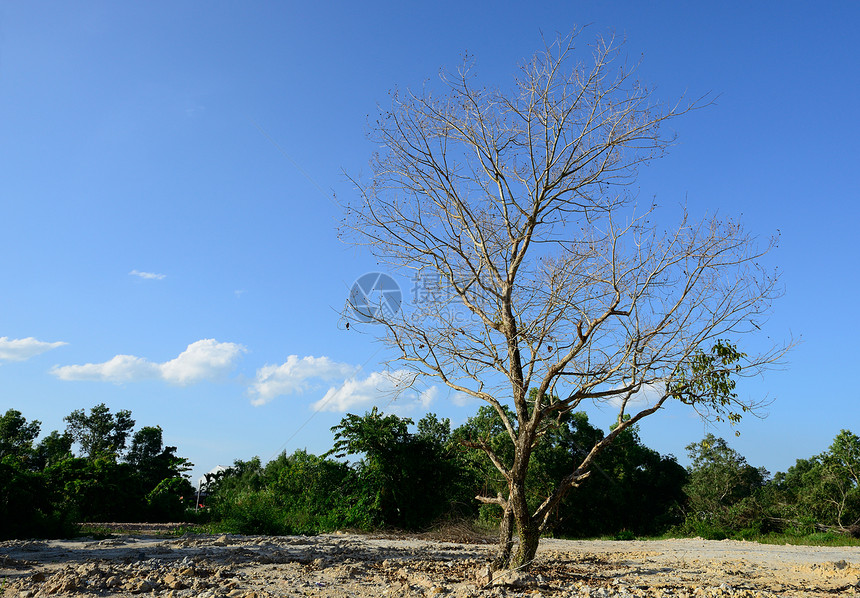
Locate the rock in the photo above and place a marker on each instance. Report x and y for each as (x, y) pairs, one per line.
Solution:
(62, 585)
(421, 580)
(342, 571)
(484, 575)
(140, 586)
(514, 579)
(221, 541)
(38, 576)
(112, 581)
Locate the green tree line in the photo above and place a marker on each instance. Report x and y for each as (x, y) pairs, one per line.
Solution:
(727, 497)
(385, 471)
(116, 474)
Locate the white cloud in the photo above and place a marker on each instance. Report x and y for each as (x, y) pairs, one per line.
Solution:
(408, 402)
(461, 399)
(647, 396)
(426, 398)
(378, 387)
(147, 275)
(20, 349)
(295, 376)
(121, 368)
(202, 360)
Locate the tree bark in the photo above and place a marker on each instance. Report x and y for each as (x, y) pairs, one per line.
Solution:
(506, 540)
(528, 530)
(529, 539)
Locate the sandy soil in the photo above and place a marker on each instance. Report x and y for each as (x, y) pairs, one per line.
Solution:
(340, 565)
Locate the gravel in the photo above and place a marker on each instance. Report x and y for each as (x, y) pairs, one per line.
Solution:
(341, 565)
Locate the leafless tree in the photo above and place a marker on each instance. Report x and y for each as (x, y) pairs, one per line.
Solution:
(547, 275)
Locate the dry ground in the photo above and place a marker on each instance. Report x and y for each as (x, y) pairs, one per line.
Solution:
(340, 565)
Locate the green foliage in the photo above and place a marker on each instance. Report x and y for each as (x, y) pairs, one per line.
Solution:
(402, 480)
(146, 447)
(824, 489)
(724, 492)
(296, 494)
(53, 448)
(624, 535)
(156, 465)
(97, 489)
(707, 381)
(167, 501)
(729, 498)
(485, 427)
(434, 430)
(809, 539)
(254, 512)
(26, 510)
(631, 487)
(407, 480)
(410, 479)
(100, 433)
(321, 494)
(45, 491)
(16, 435)
(841, 479)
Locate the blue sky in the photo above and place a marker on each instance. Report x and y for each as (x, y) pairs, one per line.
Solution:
(169, 240)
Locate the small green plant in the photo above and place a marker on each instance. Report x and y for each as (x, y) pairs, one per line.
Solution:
(182, 530)
(97, 532)
(703, 528)
(815, 539)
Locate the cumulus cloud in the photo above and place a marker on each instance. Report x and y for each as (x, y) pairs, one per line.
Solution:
(647, 396)
(20, 349)
(295, 375)
(461, 399)
(391, 390)
(147, 275)
(121, 368)
(426, 398)
(202, 360)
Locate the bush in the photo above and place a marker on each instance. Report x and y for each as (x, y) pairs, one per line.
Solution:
(26, 510)
(166, 502)
(702, 528)
(255, 512)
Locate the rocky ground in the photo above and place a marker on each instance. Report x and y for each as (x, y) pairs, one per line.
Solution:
(341, 565)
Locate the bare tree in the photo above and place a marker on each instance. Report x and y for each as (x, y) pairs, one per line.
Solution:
(546, 274)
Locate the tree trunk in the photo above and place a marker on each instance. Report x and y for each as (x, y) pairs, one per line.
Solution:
(529, 539)
(506, 540)
(516, 513)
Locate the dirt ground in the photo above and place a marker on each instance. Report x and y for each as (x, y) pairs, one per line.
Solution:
(341, 565)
